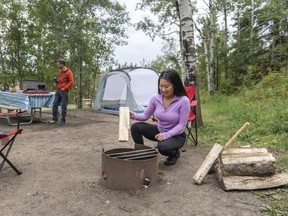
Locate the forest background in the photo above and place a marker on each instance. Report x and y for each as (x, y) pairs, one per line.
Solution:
(240, 50)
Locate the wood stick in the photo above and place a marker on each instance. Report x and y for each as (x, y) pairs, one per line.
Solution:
(237, 134)
(207, 164)
(124, 124)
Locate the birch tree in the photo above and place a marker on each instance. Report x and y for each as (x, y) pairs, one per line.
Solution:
(211, 73)
(225, 6)
(189, 50)
(188, 42)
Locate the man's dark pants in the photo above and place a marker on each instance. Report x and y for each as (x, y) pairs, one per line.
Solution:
(60, 96)
(168, 147)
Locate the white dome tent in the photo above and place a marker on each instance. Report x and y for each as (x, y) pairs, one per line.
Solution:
(127, 87)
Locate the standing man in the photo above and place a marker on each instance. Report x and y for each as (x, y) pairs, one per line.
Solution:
(64, 82)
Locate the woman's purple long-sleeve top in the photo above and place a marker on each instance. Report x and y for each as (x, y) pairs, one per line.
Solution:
(171, 121)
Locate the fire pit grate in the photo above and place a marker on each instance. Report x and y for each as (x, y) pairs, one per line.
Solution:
(135, 154)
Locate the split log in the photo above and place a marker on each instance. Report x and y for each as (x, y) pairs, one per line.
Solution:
(250, 182)
(247, 162)
(241, 150)
(207, 164)
(124, 124)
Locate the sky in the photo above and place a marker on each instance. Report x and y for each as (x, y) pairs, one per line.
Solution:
(139, 45)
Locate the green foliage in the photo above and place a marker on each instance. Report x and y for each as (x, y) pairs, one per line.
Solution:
(264, 106)
(34, 34)
(169, 59)
(272, 86)
(165, 11)
(256, 45)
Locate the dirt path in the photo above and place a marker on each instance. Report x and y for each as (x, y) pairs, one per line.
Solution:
(62, 166)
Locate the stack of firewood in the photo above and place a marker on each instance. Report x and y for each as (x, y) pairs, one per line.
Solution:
(243, 168)
(247, 168)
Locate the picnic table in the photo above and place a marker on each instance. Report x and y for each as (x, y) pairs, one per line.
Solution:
(32, 103)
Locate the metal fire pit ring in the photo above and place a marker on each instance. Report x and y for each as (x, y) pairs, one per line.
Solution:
(128, 168)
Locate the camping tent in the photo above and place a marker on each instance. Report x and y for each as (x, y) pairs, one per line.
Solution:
(129, 87)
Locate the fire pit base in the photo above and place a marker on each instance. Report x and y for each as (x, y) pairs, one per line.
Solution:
(129, 169)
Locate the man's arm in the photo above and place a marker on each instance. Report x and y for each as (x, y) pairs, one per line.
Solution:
(71, 80)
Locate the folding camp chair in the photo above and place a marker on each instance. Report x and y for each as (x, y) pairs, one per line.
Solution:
(7, 145)
(191, 126)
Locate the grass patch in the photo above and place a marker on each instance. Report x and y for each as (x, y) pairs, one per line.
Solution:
(223, 116)
(277, 200)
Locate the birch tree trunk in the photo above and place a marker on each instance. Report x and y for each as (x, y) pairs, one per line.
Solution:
(79, 56)
(188, 43)
(236, 78)
(251, 49)
(205, 45)
(226, 43)
(210, 75)
(184, 73)
(252, 23)
(206, 55)
(189, 51)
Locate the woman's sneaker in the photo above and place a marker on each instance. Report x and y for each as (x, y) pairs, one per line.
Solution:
(172, 160)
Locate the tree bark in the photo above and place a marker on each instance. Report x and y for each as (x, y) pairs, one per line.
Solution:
(189, 51)
(188, 43)
(226, 43)
(236, 75)
(210, 75)
(79, 59)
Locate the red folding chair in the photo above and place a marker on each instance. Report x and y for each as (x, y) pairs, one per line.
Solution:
(9, 139)
(191, 126)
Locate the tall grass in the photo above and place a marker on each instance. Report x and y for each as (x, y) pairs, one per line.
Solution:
(265, 107)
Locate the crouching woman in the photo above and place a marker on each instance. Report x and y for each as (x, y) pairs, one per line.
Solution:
(171, 108)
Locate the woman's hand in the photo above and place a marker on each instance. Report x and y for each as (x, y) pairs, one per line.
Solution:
(131, 114)
(159, 137)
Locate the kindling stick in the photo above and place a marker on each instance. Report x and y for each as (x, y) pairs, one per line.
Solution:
(237, 134)
(124, 124)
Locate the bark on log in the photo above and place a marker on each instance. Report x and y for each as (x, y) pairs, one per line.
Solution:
(250, 163)
(250, 182)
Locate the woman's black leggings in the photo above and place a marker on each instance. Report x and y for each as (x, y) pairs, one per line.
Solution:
(166, 147)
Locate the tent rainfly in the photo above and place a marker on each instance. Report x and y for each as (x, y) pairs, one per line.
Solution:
(126, 87)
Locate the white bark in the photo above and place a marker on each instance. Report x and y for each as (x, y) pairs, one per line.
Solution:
(79, 55)
(188, 43)
(252, 22)
(210, 75)
(226, 42)
(205, 44)
(206, 55)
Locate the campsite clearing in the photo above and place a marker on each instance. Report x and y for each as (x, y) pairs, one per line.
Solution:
(61, 170)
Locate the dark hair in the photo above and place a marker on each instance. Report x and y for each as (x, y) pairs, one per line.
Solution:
(62, 61)
(173, 77)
